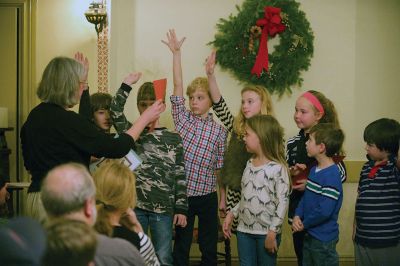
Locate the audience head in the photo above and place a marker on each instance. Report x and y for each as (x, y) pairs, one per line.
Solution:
(70, 243)
(62, 82)
(22, 242)
(312, 107)
(199, 95)
(328, 136)
(145, 96)
(116, 192)
(382, 136)
(68, 191)
(100, 103)
(270, 136)
(255, 100)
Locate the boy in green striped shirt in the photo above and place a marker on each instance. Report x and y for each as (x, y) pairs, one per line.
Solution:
(318, 210)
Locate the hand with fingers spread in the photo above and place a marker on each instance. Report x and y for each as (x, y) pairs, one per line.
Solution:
(85, 63)
(210, 63)
(132, 78)
(172, 41)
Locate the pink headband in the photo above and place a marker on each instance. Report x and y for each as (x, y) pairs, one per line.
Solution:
(314, 100)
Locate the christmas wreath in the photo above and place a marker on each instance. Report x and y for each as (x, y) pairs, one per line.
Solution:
(241, 43)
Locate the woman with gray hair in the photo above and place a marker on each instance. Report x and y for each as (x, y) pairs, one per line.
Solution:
(53, 135)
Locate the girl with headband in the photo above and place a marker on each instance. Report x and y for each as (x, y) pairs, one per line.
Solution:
(312, 108)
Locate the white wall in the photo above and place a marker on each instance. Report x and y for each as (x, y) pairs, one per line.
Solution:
(355, 55)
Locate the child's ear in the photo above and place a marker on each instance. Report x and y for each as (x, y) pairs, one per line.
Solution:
(319, 116)
(322, 148)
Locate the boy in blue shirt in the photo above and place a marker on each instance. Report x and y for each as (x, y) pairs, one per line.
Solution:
(318, 210)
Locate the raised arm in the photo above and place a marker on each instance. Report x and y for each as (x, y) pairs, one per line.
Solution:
(175, 46)
(212, 81)
(120, 121)
(84, 104)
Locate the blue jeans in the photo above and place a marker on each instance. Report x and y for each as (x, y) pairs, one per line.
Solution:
(316, 252)
(161, 233)
(252, 250)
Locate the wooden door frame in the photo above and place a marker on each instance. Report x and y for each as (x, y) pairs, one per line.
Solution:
(26, 67)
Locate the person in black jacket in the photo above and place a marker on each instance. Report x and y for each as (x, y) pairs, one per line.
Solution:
(53, 135)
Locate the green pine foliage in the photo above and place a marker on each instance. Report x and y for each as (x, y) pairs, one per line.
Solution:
(290, 57)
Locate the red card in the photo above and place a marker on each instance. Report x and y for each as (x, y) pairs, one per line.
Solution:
(160, 86)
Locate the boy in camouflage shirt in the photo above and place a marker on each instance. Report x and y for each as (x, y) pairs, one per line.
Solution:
(161, 180)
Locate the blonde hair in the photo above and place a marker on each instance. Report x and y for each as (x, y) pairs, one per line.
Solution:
(60, 82)
(199, 83)
(116, 191)
(330, 114)
(266, 108)
(271, 134)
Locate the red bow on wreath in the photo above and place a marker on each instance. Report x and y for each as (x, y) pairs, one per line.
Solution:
(271, 25)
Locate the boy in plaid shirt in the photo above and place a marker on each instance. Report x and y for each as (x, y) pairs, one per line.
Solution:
(204, 144)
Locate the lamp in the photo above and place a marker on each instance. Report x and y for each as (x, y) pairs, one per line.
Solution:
(97, 15)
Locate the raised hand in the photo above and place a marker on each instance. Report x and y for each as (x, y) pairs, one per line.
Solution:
(132, 78)
(84, 62)
(210, 63)
(172, 41)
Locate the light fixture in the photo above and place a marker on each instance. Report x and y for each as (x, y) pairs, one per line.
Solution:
(97, 15)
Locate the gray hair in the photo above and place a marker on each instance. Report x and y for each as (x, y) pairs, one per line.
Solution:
(66, 188)
(60, 82)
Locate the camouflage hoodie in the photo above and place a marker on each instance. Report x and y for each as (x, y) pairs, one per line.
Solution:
(160, 179)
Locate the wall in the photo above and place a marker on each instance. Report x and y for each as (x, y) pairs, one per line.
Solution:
(62, 30)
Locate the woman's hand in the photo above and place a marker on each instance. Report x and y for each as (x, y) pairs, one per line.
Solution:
(85, 63)
(129, 220)
(153, 112)
(172, 41)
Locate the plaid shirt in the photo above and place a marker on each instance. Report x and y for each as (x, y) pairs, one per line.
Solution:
(204, 145)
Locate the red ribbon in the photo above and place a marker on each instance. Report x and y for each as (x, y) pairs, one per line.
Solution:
(272, 25)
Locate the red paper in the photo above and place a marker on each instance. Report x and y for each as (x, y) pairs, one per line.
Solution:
(160, 86)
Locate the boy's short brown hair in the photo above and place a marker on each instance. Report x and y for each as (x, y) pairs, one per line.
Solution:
(146, 92)
(330, 135)
(100, 100)
(199, 83)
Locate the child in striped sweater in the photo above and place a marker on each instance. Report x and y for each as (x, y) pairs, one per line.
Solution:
(377, 228)
(318, 210)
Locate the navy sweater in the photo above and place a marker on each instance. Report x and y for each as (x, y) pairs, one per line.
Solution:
(319, 208)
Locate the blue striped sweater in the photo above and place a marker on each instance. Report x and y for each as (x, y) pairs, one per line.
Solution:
(319, 208)
(378, 206)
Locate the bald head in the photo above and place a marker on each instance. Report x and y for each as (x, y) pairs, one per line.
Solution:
(66, 189)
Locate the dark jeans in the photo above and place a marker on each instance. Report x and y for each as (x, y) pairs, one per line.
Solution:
(298, 240)
(318, 253)
(206, 208)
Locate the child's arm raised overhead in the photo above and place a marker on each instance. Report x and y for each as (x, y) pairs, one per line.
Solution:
(212, 81)
(175, 47)
(219, 106)
(118, 102)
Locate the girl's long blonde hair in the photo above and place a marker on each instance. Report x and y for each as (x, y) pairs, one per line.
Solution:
(266, 108)
(115, 191)
(271, 136)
